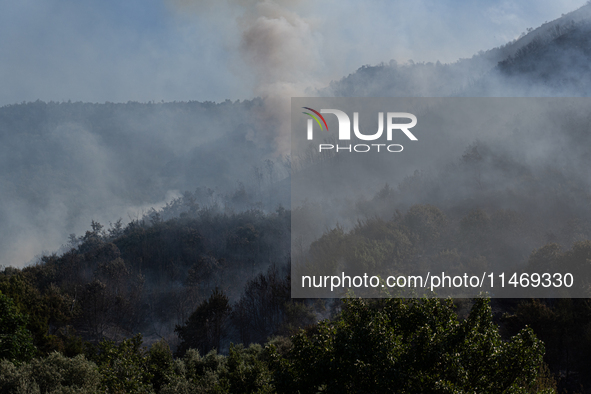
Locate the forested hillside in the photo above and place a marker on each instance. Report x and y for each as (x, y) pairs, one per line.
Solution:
(70, 163)
(551, 60)
(156, 289)
(152, 274)
(201, 276)
(191, 277)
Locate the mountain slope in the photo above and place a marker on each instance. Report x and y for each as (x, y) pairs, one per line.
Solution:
(552, 57)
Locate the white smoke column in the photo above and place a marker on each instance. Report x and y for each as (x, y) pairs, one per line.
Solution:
(284, 53)
(281, 50)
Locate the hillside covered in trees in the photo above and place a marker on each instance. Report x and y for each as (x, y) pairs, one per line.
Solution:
(550, 60)
(414, 346)
(190, 292)
(70, 163)
(201, 275)
(153, 299)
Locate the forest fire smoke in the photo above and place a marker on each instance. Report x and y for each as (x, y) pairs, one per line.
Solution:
(281, 48)
(282, 51)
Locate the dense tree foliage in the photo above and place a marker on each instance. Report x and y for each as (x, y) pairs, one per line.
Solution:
(52, 374)
(410, 346)
(206, 326)
(391, 345)
(112, 284)
(148, 276)
(211, 268)
(222, 277)
(16, 343)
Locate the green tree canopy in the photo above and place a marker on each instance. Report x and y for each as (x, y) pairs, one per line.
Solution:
(206, 326)
(409, 346)
(16, 342)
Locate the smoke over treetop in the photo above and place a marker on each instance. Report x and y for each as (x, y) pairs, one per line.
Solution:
(191, 50)
(281, 48)
(282, 51)
(63, 165)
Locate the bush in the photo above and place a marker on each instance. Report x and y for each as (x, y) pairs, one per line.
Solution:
(160, 364)
(124, 368)
(16, 342)
(53, 374)
(413, 345)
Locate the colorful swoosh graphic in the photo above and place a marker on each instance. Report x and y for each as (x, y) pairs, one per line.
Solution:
(315, 118)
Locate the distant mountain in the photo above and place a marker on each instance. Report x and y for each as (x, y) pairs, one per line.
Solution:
(554, 67)
(551, 60)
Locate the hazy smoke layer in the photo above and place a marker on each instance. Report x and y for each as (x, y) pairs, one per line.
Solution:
(282, 51)
(63, 165)
(524, 159)
(281, 48)
(66, 164)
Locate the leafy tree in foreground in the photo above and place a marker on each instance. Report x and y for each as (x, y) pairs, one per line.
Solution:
(160, 364)
(123, 367)
(409, 346)
(244, 370)
(206, 326)
(16, 342)
(55, 373)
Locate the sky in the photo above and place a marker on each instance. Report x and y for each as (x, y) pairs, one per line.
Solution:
(153, 50)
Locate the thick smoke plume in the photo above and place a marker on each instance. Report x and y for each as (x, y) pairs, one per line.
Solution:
(282, 50)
